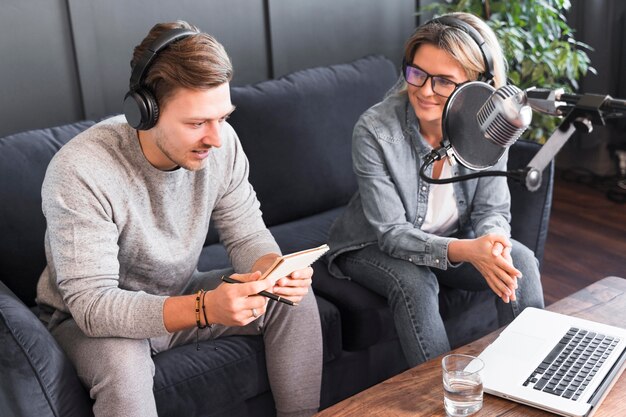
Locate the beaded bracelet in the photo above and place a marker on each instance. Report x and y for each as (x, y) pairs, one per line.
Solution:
(206, 321)
(200, 296)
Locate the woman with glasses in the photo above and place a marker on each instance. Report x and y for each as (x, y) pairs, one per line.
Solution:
(402, 237)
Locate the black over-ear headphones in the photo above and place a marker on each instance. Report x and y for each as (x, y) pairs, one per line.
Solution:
(140, 106)
(451, 21)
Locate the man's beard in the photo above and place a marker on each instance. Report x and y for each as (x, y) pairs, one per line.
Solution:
(161, 142)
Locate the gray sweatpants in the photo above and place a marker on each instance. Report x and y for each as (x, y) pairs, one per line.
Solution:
(119, 372)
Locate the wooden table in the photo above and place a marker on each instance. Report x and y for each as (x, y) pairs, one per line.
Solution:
(419, 391)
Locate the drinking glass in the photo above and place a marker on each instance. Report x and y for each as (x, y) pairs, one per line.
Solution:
(462, 385)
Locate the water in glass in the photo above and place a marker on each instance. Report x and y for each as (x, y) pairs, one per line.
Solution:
(463, 396)
(462, 385)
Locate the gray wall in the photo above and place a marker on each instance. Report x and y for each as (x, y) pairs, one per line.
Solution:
(38, 76)
(67, 60)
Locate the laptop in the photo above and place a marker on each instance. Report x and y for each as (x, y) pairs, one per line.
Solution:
(562, 364)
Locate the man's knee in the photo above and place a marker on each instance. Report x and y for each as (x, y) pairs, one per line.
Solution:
(122, 377)
(118, 362)
(303, 316)
(308, 302)
(128, 360)
(305, 310)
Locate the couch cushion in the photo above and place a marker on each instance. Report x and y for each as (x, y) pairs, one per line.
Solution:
(297, 130)
(24, 158)
(467, 315)
(232, 367)
(213, 257)
(214, 379)
(365, 317)
(37, 378)
(331, 329)
(304, 233)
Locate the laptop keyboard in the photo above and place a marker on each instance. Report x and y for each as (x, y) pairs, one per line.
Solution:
(572, 363)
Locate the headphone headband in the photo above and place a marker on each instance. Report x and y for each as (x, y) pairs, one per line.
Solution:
(160, 43)
(475, 35)
(140, 106)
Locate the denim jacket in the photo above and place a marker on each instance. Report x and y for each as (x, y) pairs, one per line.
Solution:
(390, 205)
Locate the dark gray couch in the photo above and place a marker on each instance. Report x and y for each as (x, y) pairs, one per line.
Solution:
(296, 132)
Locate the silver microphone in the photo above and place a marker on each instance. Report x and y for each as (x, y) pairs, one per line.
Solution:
(480, 123)
(505, 116)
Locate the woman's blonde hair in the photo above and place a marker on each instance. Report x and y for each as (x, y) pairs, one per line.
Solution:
(460, 46)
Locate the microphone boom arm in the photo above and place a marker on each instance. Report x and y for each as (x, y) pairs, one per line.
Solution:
(585, 113)
(533, 172)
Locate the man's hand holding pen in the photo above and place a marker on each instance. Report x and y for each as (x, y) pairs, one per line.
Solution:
(289, 290)
(237, 304)
(243, 297)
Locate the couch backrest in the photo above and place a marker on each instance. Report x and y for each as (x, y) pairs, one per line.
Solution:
(24, 158)
(297, 132)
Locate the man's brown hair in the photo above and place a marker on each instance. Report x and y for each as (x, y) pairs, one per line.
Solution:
(196, 62)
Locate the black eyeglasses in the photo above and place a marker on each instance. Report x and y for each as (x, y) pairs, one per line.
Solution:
(416, 76)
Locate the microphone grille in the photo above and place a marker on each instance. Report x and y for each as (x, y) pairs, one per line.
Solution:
(504, 116)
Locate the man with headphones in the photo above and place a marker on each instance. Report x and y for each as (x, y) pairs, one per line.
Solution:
(128, 204)
(401, 236)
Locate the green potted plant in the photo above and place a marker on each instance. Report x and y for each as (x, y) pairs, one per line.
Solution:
(538, 45)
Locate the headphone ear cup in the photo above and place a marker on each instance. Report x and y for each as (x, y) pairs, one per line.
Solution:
(141, 109)
(152, 115)
(135, 109)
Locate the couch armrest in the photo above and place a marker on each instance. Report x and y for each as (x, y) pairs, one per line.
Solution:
(37, 378)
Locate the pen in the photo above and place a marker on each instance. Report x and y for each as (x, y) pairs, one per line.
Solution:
(263, 293)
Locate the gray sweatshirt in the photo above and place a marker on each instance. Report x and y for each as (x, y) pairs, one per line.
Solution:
(122, 235)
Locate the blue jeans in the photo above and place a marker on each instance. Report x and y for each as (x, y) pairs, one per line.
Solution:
(412, 293)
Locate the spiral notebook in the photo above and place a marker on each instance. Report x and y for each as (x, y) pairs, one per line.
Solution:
(286, 264)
